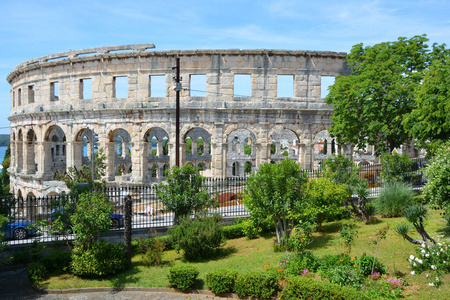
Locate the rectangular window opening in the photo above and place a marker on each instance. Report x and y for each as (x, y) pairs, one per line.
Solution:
(31, 94)
(19, 97)
(198, 86)
(157, 86)
(242, 85)
(325, 83)
(120, 87)
(86, 88)
(13, 99)
(54, 91)
(285, 86)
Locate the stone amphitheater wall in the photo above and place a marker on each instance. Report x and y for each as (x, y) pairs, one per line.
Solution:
(54, 126)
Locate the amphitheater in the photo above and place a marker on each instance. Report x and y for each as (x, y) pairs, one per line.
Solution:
(238, 109)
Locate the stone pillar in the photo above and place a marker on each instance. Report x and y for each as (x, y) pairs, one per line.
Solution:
(19, 156)
(29, 166)
(137, 162)
(12, 164)
(218, 153)
(45, 161)
(110, 154)
(183, 153)
(159, 148)
(144, 161)
(206, 147)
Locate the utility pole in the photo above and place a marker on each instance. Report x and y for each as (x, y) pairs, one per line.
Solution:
(177, 79)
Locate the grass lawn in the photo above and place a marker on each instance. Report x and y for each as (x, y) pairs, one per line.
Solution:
(244, 255)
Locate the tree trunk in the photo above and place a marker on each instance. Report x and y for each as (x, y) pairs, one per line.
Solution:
(127, 231)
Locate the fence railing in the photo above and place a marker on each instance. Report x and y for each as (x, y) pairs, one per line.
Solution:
(148, 211)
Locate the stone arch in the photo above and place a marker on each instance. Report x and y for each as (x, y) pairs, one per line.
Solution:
(30, 164)
(237, 155)
(121, 140)
(85, 146)
(284, 143)
(156, 153)
(200, 144)
(55, 148)
(324, 147)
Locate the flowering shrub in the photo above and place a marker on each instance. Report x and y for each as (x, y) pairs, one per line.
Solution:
(295, 264)
(433, 258)
(375, 276)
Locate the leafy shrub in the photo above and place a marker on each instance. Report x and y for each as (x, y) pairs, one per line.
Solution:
(395, 197)
(57, 261)
(382, 290)
(221, 281)
(250, 229)
(257, 284)
(233, 231)
(396, 167)
(183, 277)
(365, 264)
(198, 237)
(345, 275)
(301, 236)
(168, 241)
(334, 260)
(102, 259)
(299, 287)
(347, 235)
(36, 272)
(151, 249)
(295, 264)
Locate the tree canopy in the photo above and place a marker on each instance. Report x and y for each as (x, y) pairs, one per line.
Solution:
(275, 191)
(370, 104)
(429, 121)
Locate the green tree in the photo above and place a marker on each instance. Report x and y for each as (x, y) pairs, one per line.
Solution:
(343, 171)
(275, 191)
(183, 192)
(323, 198)
(429, 121)
(396, 167)
(370, 104)
(4, 179)
(91, 216)
(437, 189)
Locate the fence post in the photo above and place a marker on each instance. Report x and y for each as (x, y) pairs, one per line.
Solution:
(127, 224)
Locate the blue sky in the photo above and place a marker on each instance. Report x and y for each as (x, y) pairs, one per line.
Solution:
(30, 29)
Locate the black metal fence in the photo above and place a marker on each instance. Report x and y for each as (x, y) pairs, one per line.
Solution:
(26, 215)
(148, 211)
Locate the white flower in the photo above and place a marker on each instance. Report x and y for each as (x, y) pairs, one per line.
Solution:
(414, 264)
(420, 261)
(416, 259)
(442, 250)
(423, 251)
(431, 284)
(439, 244)
(427, 255)
(413, 273)
(428, 275)
(423, 245)
(433, 267)
(411, 257)
(445, 262)
(437, 278)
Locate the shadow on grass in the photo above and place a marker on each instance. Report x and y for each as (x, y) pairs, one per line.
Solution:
(121, 280)
(326, 236)
(219, 254)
